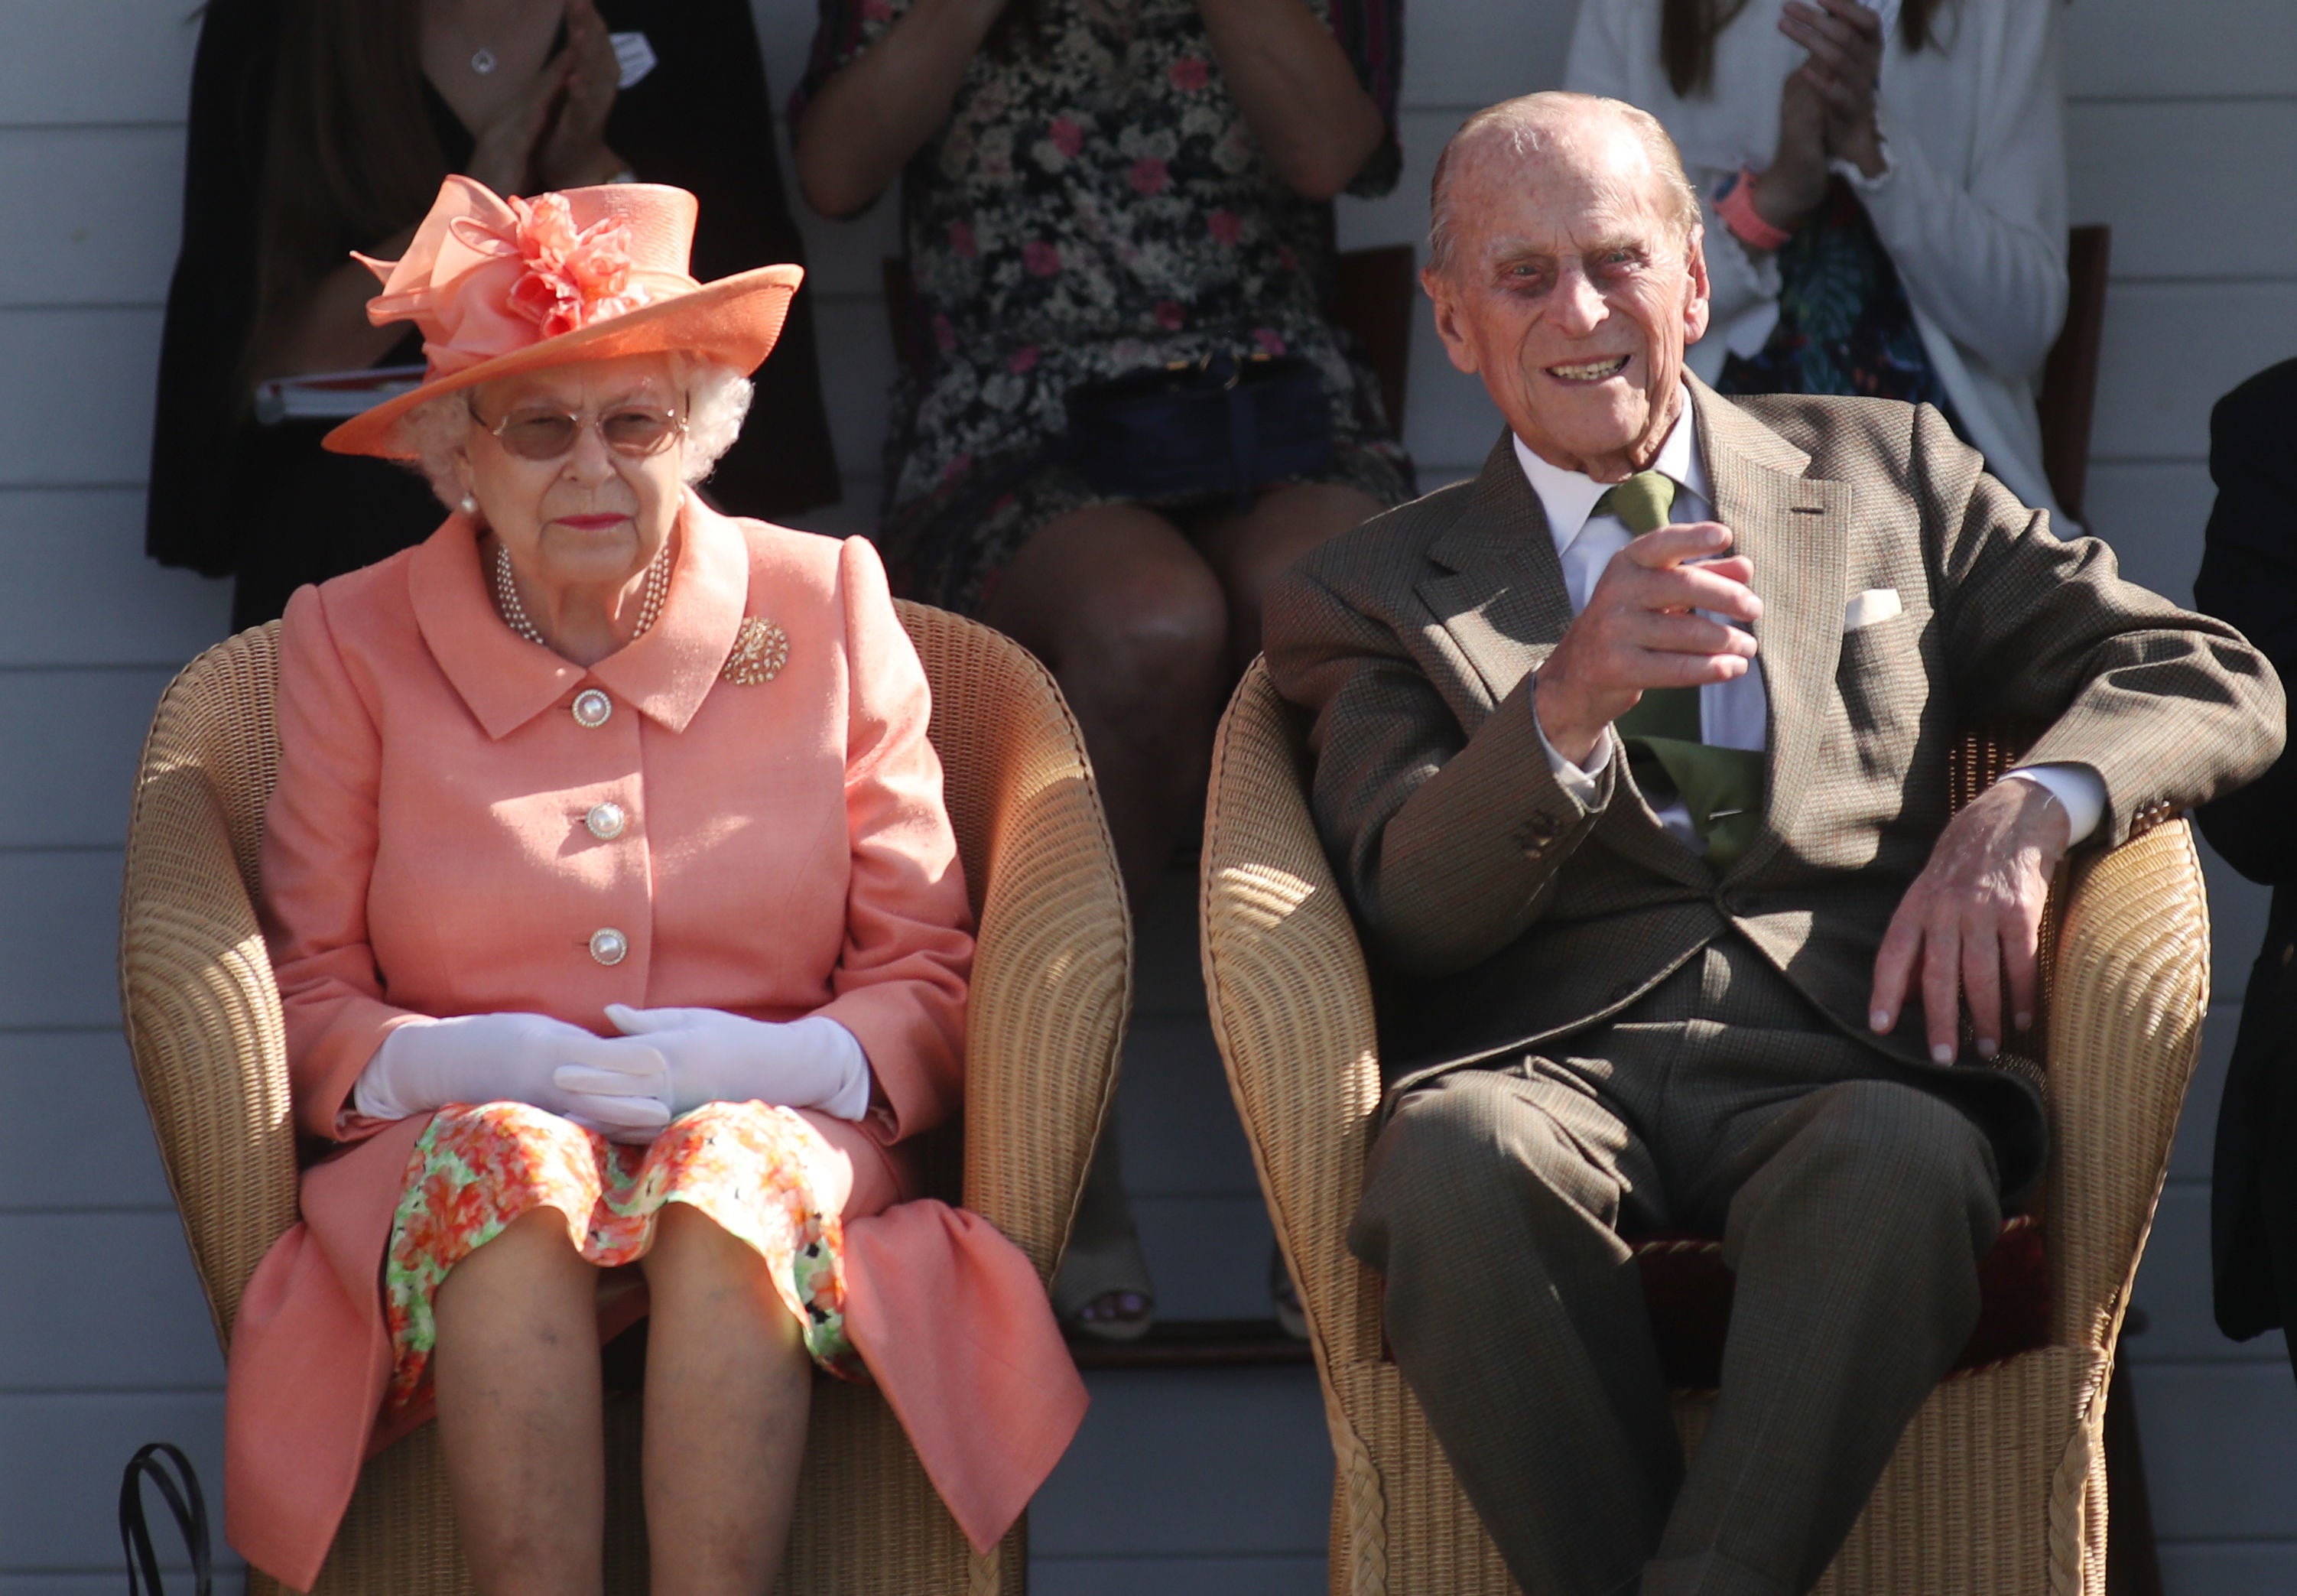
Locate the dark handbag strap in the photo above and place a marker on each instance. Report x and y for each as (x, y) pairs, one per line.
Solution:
(188, 1506)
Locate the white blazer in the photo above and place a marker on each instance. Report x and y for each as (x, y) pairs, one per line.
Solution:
(1971, 207)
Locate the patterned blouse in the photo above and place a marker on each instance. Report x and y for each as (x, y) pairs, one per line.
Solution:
(1097, 205)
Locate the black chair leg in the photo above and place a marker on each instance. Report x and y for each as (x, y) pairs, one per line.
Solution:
(2133, 1564)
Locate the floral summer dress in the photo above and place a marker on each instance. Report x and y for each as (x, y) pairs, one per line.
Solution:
(1097, 206)
(751, 1168)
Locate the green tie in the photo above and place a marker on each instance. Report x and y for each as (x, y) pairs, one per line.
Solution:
(1722, 787)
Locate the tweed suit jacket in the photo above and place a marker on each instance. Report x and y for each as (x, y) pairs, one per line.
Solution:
(1504, 913)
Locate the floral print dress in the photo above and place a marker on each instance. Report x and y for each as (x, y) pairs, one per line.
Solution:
(751, 1168)
(1097, 206)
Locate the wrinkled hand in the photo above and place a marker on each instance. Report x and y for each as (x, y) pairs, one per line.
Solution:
(1845, 41)
(575, 153)
(503, 1058)
(1791, 187)
(1639, 631)
(1974, 915)
(708, 1055)
(503, 155)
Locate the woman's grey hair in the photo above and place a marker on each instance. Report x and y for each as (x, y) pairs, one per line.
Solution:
(717, 400)
(1532, 123)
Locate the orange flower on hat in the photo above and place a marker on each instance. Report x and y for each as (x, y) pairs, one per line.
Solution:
(574, 275)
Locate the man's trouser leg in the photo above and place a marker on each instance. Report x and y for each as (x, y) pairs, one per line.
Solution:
(1491, 1207)
(1854, 1216)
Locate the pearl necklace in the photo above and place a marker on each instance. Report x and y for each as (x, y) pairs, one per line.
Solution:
(514, 613)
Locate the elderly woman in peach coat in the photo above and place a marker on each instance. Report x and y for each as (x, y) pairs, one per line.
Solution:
(622, 946)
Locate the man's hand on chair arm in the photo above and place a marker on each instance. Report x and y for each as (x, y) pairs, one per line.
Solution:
(1971, 924)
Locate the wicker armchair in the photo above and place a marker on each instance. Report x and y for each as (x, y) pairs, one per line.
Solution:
(1052, 987)
(1999, 1485)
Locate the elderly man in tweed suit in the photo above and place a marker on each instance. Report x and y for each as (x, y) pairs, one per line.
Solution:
(1632, 754)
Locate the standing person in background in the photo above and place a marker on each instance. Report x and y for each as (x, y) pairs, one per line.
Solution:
(1102, 194)
(321, 126)
(2249, 576)
(1884, 195)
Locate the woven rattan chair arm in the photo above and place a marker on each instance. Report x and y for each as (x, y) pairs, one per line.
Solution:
(1292, 1010)
(2130, 987)
(1051, 990)
(203, 1025)
(1052, 971)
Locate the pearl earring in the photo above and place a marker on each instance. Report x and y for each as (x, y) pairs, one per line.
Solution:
(468, 504)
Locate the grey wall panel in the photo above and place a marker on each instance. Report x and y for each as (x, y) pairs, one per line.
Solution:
(1182, 1135)
(1281, 1575)
(92, 214)
(91, 723)
(2204, 47)
(2173, 1287)
(2171, 348)
(102, 1301)
(1191, 1463)
(82, 593)
(2221, 1450)
(60, 1463)
(59, 939)
(76, 1135)
(2152, 513)
(2190, 1153)
(83, 61)
(2257, 1568)
(2134, 165)
(88, 421)
(1208, 1255)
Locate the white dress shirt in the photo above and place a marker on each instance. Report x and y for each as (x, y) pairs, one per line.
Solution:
(1732, 714)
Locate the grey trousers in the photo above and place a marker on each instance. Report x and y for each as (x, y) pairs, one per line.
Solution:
(1854, 1208)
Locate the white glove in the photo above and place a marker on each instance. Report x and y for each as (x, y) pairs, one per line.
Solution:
(477, 1058)
(714, 1056)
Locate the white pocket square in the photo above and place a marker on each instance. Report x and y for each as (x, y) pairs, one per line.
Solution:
(1874, 605)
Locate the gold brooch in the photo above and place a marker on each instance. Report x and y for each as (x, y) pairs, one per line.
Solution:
(761, 650)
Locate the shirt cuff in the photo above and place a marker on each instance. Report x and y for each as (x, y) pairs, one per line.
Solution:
(1579, 782)
(2080, 789)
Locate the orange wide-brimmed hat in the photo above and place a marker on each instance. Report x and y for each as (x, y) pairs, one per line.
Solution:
(502, 286)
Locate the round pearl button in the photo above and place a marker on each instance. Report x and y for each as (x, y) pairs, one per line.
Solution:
(591, 707)
(609, 946)
(606, 821)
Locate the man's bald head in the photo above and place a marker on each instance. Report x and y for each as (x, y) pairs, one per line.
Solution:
(1555, 124)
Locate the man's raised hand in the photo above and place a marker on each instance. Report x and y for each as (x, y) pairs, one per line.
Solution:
(1640, 630)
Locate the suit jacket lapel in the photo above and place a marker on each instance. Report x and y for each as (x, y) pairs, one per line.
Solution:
(1499, 592)
(1796, 529)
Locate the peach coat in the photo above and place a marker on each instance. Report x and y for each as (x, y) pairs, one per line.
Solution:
(786, 853)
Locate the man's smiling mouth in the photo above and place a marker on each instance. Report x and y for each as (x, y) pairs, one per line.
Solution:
(1590, 371)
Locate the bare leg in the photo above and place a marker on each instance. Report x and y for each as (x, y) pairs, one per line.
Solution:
(1134, 625)
(1250, 551)
(519, 1411)
(729, 1388)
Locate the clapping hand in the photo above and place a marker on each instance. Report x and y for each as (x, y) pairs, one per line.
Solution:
(1845, 69)
(575, 153)
(503, 155)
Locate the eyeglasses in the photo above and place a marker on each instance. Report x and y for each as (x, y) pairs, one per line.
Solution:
(634, 431)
